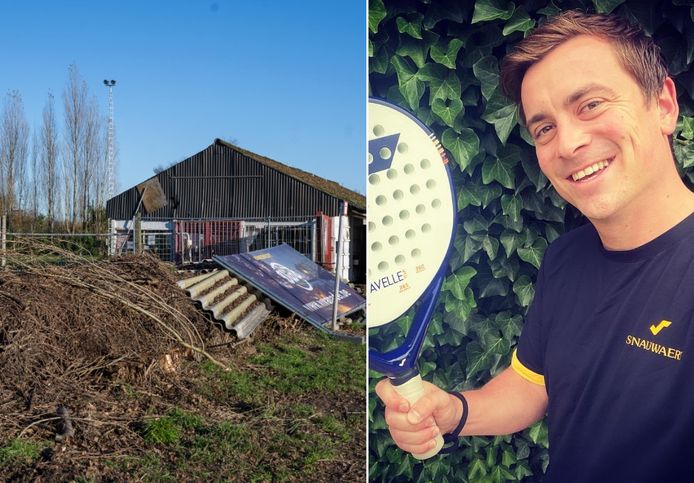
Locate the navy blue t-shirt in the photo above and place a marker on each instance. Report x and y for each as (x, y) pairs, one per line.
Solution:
(611, 335)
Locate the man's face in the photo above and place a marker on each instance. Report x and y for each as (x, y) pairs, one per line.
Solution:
(597, 139)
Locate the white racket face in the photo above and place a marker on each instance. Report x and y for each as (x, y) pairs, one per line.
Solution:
(410, 209)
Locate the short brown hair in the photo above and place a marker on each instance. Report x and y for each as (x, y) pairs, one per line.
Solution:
(637, 52)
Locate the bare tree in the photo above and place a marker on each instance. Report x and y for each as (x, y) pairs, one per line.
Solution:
(91, 156)
(75, 104)
(49, 160)
(14, 148)
(21, 182)
(35, 185)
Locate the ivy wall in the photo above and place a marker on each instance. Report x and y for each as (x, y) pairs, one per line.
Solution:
(439, 59)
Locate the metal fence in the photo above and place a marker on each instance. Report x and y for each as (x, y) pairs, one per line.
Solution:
(190, 241)
(186, 241)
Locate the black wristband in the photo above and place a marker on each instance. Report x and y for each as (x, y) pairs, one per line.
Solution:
(452, 437)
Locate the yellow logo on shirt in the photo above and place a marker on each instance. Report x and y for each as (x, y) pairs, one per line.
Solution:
(655, 329)
(650, 346)
(654, 347)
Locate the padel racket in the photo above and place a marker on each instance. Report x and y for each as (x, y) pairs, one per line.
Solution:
(412, 224)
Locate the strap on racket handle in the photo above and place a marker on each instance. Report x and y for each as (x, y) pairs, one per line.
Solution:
(413, 390)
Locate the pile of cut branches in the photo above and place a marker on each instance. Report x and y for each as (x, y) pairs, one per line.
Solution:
(72, 331)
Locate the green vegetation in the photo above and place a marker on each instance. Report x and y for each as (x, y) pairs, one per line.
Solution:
(283, 426)
(18, 452)
(440, 61)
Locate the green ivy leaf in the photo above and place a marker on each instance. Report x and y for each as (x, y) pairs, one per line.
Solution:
(414, 49)
(524, 289)
(486, 70)
(684, 153)
(490, 245)
(494, 343)
(522, 471)
(508, 458)
(405, 468)
(425, 367)
(489, 193)
(457, 282)
(476, 359)
(502, 113)
(538, 433)
(462, 307)
(494, 287)
(541, 208)
(446, 88)
(377, 12)
(491, 456)
(494, 169)
(511, 327)
(446, 54)
(551, 233)
(550, 10)
(437, 468)
(534, 253)
(486, 10)
(499, 474)
(503, 267)
(379, 63)
(523, 450)
(462, 146)
(431, 73)
(519, 22)
(511, 205)
(501, 169)
(532, 171)
(469, 195)
(506, 222)
(686, 125)
(443, 11)
(410, 86)
(456, 323)
(476, 224)
(467, 247)
(606, 6)
(447, 110)
(525, 135)
(412, 27)
(510, 240)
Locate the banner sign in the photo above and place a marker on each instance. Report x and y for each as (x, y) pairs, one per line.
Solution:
(292, 280)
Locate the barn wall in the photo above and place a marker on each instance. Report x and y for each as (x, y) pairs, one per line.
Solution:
(220, 182)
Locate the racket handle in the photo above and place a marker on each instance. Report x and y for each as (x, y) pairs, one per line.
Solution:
(412, 390)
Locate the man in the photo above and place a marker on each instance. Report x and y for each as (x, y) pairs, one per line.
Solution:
(607, 350)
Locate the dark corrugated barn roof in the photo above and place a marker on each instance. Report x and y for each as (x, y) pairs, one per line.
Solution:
(225, 181)
(330, 187)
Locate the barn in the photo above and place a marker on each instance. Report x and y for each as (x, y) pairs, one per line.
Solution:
(225, 200)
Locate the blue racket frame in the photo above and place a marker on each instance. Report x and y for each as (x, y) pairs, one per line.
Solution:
(400, 363)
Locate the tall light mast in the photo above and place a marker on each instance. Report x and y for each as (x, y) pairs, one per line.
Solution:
(111, 182)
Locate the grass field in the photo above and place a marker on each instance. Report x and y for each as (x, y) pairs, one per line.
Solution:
(290, 409)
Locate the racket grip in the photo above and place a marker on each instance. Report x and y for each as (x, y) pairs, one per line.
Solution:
(412, 390)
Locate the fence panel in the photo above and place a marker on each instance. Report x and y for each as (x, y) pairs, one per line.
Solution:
(190, 241)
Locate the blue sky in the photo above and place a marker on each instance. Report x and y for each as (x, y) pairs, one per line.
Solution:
(285, 79)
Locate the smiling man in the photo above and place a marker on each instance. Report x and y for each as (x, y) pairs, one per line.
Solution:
(607, 347)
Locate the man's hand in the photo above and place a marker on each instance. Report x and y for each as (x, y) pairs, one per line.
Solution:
(414, 428)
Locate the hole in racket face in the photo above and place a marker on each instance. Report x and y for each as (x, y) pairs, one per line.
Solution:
(411, 213)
